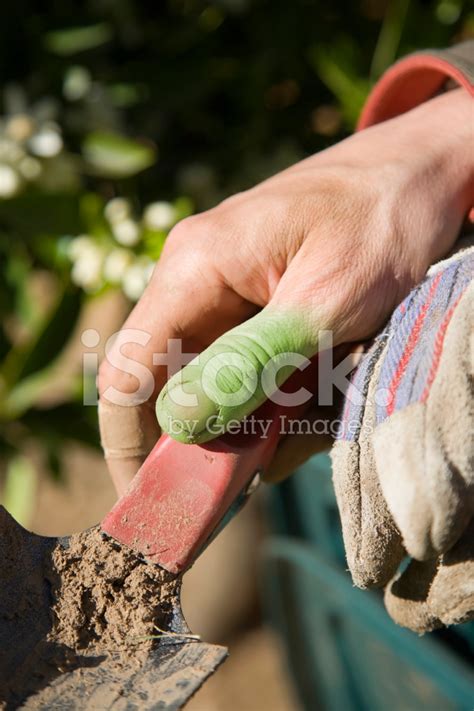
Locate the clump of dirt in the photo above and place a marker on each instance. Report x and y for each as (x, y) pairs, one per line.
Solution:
(66, 605)
(105, 597)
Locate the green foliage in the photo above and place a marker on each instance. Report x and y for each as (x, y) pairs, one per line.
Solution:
(77, 39)
(26, 370)
(114, 156)
(339, 76)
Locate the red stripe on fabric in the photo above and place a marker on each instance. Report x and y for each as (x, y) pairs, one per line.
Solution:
(347, 404)
(410, 346)
(438, 349)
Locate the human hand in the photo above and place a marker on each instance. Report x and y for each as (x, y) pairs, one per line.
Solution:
(333, 243)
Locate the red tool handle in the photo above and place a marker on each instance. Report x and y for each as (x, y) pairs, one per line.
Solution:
(183, 491)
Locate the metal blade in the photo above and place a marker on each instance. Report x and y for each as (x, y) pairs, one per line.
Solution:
(165, 682)
(164, 679)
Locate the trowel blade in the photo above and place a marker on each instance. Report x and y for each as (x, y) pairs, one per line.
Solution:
(173, 670)
(165, 682)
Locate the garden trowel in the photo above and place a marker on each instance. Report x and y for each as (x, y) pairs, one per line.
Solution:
(181, 497)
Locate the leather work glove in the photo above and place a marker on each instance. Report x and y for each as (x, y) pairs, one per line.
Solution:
(404, 464)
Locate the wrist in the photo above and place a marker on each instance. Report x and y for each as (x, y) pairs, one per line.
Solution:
(430, 146)
(443, 130)
(419, 167)
(428, 155)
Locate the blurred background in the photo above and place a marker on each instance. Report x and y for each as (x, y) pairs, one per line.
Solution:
(118, 119)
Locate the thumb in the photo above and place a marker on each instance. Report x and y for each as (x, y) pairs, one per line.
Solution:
(235, 375)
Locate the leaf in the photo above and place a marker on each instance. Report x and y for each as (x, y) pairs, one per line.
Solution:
(389, 37)
(55, 334)
(115, 156)
(77, 39)
(20, 489)
(125, 95)
(25, 394)
(37, 356)
(350, 90)
(17, 272)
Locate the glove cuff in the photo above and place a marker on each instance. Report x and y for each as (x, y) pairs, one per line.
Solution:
(417, 78)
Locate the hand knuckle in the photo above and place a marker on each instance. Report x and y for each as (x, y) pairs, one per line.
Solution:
(190, 230)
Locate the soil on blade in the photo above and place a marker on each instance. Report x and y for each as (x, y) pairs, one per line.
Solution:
(67, 607)
(108, 598)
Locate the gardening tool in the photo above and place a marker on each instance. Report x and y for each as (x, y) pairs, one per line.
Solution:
(180, 498)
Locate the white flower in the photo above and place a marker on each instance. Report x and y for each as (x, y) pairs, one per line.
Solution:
(30, 168)
(20, 127)
(10, 181)
(87, 268)
(79, 246)
(115, 265)
(126, 232)
(117, 210)
(159, 216)
(47, 142)
(137, 277)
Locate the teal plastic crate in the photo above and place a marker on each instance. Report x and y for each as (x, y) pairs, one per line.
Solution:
(344, 651)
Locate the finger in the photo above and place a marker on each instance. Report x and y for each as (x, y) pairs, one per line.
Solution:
(314, 432)
(227, 382)
(184, 302)
(127, 436)
(314, 435)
